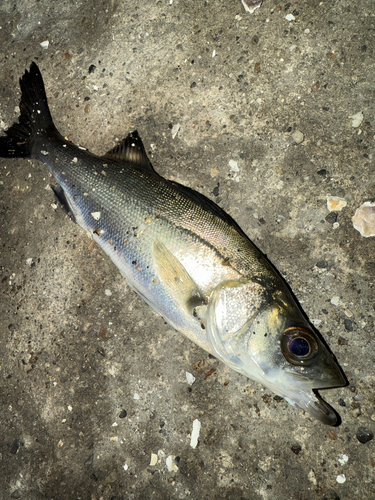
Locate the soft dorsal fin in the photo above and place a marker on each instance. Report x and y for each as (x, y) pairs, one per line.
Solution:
(132, 150)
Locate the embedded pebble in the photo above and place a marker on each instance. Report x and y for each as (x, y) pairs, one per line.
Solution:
(335, 301)
(136, 395)
(290, 17)
(154, 459)
(298, 137)
(44, 44)
(341, 478)
(348, 324)
(335, 203)
(364, 436)
(364, 219)
(108, 292)
(357, 119)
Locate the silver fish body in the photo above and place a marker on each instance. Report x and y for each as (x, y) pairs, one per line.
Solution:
(184, 256)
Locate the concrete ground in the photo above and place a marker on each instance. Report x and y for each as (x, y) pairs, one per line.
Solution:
(254, 111)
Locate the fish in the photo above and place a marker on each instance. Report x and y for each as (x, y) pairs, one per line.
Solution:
(183, 255)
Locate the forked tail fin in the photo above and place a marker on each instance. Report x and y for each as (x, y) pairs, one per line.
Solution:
(35, 117)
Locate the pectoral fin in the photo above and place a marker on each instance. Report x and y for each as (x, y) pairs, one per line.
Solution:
(176, 279)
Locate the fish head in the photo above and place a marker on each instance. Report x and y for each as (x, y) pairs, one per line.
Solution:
(261, 332)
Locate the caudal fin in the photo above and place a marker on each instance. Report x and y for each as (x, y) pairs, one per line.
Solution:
(35, 117)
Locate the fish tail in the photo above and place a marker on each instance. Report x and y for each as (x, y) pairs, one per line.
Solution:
(35, 118)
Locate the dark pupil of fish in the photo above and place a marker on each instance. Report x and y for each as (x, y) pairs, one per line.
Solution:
(299, 347)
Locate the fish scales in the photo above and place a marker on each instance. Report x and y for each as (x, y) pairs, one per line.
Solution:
(183, 255)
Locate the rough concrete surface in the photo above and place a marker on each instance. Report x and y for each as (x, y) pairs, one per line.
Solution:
(255, 112)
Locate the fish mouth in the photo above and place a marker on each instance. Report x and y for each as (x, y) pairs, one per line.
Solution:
(312, 402)
(318, 408)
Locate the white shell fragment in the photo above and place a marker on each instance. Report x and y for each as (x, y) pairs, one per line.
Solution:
(44, 44)
(364, 219)
(190, 378)
(341, 478)
(342, 459)
(233, 165)
(95, 215)
(251, 5)
(175, 130)
(335, 203)
(357, 119)
(195, 433)
(171, 466)
(154, 459)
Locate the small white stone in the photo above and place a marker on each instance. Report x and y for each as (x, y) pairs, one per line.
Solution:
(29, 261)
(311, 477)
(126, 466)
(154, 459)
(190, 378)
(75, 159)
(290, 17)
(335, 301)
(357, 119)
(297, 137)
(70, 408)
(44, 44)
(136, 395)
(233, 165)
(341, 478)
(108, 292)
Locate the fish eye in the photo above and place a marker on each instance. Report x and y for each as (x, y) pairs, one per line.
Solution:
(299, 345)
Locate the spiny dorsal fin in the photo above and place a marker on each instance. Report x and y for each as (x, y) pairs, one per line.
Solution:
(132, 150)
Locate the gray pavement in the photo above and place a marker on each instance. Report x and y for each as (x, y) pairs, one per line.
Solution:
(254, 111)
